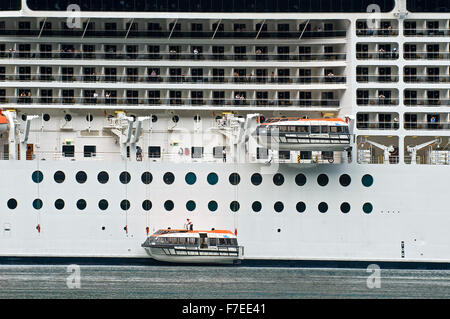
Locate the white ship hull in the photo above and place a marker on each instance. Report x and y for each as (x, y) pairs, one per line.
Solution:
(409, 222)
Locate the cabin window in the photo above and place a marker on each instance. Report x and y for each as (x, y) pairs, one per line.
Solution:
(303, 129)
(213, 241)
(222, 241)
(324, 129)
(315, 129)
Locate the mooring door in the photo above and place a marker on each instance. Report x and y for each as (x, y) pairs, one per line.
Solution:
(30, 151)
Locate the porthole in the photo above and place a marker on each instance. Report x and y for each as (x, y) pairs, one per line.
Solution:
(37, 203)
(154, 118)
(59, 177)
(234, 179)
(81, 177)
(190, 178)
(146, 205)
(89, 118)
(367, 208)
(125, 204)
(81, 204)
(212, 206)
(212, 178)
(301, 207)
(322, 179)
(234, 206)
(46, 117)
(175, 118)
(168, 205)
(345, 208)
(103, 177)
(345, 180)
(367, 180)
(68, 117)
(190, 205)
(124, 177)
(300, 179)
(256, 206)
(12, 203)
(278, 179)
(323, 207)
(59, 204)
(37, 177)
(146, 178)
(278, 207)
(103, 204)
(256, 179)
(169, 178)
(24, 117)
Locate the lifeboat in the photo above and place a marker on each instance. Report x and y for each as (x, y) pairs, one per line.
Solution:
(304, 134)
(3, 122)
(195, 247)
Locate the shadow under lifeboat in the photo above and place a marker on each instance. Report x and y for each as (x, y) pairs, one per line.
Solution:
(290, 134)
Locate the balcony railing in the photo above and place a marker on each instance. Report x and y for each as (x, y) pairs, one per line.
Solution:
(427, 102)
(426, 32)
(122, 33)
(377, 101)
(244, 79)
(426, 78)
(114, 55)
(365, 55)
(441, 55)
(383, 32)
(426, 125)
(139, 101)
(391, 125)
(376, 78)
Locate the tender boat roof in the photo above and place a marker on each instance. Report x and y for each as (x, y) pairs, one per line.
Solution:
(191, 232)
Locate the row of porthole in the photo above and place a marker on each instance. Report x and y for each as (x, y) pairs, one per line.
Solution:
(90, 118)
(191, 205)
(212, 178)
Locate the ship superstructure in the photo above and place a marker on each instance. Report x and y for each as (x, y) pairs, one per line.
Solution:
(120, 118)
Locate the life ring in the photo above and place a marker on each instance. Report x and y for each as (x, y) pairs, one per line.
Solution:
(331, 160)
(180, 151)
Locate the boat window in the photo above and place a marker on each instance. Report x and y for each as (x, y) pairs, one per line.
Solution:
(303, 129)
(324, 129)
(221, 241)
(172, 240)
(333, 129)
(339, 129)
(282, 128)
(291, 128)
(228, 241)
(315, 129)
(213, 241)
(234, 242)
(345, 129)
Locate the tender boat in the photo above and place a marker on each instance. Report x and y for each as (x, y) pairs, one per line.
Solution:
(194, 246)
(304, 134)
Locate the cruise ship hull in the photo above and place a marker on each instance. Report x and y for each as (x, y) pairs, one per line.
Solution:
(408, 222)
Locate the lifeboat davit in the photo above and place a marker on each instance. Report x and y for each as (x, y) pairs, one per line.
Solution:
(3, 122)
(292, 134)
(194, 246)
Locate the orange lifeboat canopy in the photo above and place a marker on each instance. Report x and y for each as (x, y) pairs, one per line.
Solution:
(3, 122)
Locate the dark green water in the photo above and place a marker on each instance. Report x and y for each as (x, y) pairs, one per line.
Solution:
(218, 283)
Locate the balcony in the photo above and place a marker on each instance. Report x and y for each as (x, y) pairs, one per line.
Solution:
(139, 101)
(115, 55)
(196, 79)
